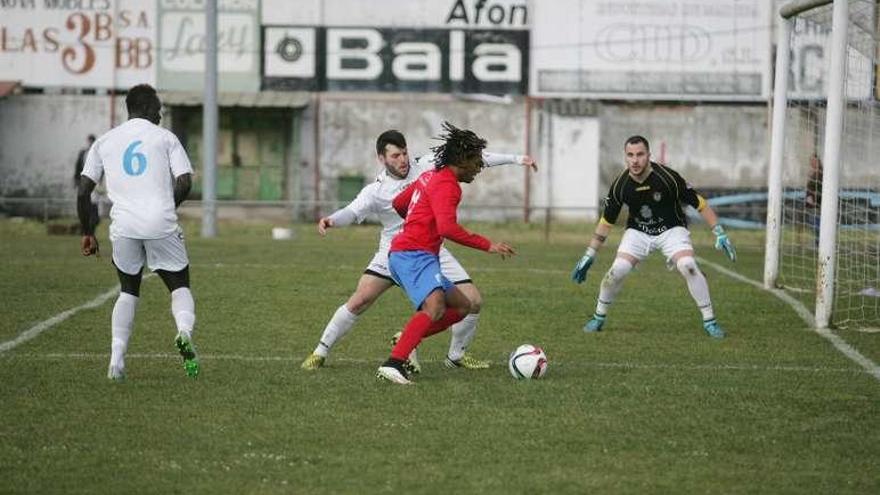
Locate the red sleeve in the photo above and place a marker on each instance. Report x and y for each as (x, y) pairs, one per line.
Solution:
(401, 201)
(444, 203)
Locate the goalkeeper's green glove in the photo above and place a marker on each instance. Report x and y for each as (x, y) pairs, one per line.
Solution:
(722, 242)
(579, 274)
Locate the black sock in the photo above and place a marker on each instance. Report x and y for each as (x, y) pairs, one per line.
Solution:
(394, 363)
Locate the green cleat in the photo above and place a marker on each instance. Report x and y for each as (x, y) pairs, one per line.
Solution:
(313, 362)
(467, 362)
(188, 352)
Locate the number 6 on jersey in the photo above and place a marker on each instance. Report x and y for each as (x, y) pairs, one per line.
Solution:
(132, 155)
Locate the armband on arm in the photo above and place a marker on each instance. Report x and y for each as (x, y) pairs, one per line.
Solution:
(701, 203)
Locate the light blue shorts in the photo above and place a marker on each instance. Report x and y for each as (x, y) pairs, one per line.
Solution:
(418, 273)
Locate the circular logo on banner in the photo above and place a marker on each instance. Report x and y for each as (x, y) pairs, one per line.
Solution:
(289, 49)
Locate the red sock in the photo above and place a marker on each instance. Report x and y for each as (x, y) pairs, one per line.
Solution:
(450, 317)
(412, 335)
(421, 326)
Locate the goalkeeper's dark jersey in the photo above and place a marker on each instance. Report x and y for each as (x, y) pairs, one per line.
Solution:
(655, 205)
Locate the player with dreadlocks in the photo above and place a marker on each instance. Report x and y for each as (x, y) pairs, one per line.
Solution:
(429, 207)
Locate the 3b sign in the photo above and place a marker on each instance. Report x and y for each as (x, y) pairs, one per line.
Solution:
(389, 59)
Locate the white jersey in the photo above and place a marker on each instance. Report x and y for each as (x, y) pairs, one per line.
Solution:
(139, 161)
(376, 198)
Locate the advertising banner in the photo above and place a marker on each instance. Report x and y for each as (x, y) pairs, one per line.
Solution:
(181, 35)
(92, 44)
(343, 45)
(652, 49)
(388, 59)
(811, 60)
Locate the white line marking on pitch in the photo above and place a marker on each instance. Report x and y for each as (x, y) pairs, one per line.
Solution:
(35, 331)
(841, 345)
(587, 364)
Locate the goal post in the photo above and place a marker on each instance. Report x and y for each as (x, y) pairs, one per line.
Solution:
(831, 156)
(823, 211)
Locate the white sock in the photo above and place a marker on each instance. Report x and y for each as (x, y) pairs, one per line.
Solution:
(121, 323)
(183, 308)
(697, 285)
(337, 327)
(462, 334)
(611, 284)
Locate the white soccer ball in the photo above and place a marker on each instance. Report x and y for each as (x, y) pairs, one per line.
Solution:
(527, 362)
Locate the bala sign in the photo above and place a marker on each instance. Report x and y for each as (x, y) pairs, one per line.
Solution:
(492, 61)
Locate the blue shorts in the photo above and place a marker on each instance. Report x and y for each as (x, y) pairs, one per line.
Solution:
(418, 272)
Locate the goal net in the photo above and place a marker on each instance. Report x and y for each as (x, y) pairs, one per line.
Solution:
(810, 165)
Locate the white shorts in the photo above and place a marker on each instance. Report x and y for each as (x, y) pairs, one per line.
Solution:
(168, 253)
(639, 244)
(449, 266)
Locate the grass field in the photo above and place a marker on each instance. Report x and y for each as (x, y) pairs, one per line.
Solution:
(651, 405)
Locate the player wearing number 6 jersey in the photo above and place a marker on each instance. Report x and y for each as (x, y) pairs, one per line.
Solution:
(655, 195)
(148, 175)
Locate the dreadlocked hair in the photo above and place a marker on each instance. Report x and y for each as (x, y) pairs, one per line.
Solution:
(459, 145)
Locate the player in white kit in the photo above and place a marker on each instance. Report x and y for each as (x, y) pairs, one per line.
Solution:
(147, 175)
(375, 198)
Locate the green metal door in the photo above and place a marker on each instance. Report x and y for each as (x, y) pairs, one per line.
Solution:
(250, 152)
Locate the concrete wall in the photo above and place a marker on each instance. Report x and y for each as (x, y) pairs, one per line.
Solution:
(350, 125)
(40, 137)
(712, 145)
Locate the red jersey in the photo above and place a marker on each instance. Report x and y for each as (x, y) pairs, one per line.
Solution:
(429, 207)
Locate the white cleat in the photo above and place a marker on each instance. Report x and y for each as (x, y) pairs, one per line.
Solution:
(392, 375)
(411, 365)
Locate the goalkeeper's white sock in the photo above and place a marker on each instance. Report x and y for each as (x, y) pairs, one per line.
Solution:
(462, 334)
(183, 308)
(611, 284)
(121, 323)
(339, 326)
(697, 285)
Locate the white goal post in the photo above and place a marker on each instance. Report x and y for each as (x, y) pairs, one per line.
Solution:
(837, 130)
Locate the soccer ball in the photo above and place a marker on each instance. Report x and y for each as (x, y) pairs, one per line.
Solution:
(527, 362)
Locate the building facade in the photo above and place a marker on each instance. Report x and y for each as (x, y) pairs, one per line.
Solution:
(306, 86)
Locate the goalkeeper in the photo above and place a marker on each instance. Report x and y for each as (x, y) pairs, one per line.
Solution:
(654, 195)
